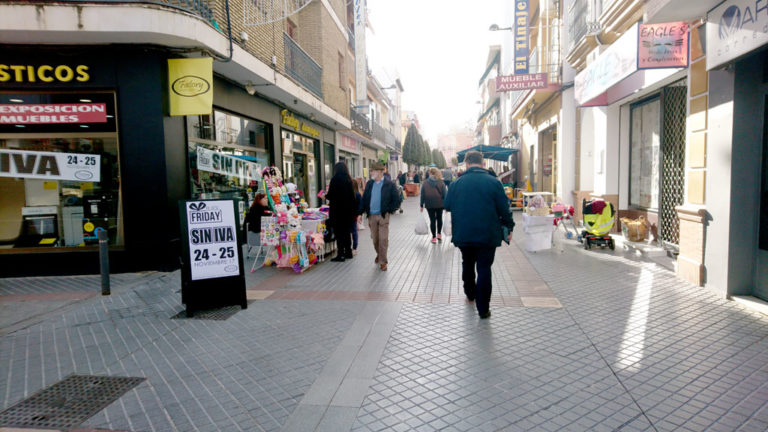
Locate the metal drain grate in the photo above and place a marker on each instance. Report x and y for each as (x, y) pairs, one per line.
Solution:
(219, 314)
(68, 403)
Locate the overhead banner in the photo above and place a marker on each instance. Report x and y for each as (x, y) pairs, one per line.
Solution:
(735, 28)
(190, 86)
(220, 163)
(50, 166)
(53, 113)
(663, 45)
(521, 82)
(361, 61)
(616, 63)
(522, 42)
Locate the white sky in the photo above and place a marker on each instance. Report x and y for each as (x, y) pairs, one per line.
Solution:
(439, 49)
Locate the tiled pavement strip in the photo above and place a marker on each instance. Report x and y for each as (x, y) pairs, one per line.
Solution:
(632, 347)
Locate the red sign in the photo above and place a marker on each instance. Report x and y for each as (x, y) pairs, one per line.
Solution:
(53, 113)
(662, 45)
(521, 82)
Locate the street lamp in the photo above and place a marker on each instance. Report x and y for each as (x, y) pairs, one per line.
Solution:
(495, 27)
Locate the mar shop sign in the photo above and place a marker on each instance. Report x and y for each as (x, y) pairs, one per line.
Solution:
(50, 166)
(735, 28)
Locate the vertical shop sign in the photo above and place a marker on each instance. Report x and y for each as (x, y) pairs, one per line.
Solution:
(190, 86)
(212, 273)
(521, 36)
(361, 67)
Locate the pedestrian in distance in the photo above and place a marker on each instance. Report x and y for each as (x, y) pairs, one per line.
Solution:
(432, 195)
(358, 200)
(479, 211)
(342, 210)
(380, 200)
(416, 178)
(259, 208)
(447, 176)
(402, 178)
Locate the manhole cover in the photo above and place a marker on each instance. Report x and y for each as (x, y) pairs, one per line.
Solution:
(68, 403)
(219, 314)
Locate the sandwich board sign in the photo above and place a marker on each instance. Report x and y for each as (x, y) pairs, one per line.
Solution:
(212, 261)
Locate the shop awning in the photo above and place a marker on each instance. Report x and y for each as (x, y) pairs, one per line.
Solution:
(489, 152)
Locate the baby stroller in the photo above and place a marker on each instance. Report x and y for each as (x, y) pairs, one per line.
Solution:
(598, 217)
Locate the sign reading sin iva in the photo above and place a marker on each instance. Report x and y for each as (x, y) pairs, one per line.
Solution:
(521, 36)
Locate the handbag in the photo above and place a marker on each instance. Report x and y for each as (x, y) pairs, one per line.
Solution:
(421, 227)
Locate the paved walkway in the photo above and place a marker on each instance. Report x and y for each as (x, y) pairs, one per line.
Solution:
(579, 340)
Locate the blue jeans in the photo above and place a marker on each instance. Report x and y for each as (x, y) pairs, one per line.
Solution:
(353, 230)
(478, 289)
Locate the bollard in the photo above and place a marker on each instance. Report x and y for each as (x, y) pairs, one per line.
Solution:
(104, 260)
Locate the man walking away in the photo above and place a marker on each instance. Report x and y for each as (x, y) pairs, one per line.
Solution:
(380, 200)
(447, 176)
(479, 208)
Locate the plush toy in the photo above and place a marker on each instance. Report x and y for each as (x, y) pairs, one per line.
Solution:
(294, 219)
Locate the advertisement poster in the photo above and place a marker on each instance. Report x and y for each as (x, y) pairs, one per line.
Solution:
(212, 237)
(663, 45)
(50, 165)
(228, 165)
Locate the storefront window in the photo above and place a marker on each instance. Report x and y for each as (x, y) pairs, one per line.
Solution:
(226, 155)
(329, 160)
(59, 171)
(644, 154)
(302, 166)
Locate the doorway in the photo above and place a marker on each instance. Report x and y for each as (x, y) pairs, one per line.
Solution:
(300, 172)
(546, 156)
(761, 278)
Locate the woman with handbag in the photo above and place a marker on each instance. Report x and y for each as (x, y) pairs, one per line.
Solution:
(432, 196)
(342, 210)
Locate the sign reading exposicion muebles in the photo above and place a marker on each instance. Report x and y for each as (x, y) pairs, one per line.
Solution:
(735, 28)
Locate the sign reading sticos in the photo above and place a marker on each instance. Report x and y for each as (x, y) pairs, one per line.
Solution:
(190, 89)
(212, 237)
(43, 73)
(735, 28)
(522, 48)
(663, 45)
(50, 166)
(521, 82)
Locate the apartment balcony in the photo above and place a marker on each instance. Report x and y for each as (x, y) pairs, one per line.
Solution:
(360, 121)
(577, 22)
(301, 67)
(384, 136)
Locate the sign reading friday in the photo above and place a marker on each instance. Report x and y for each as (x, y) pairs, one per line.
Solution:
(521, 82)
(50, 166)
(212, 236)
(522, 17)
(219, 163)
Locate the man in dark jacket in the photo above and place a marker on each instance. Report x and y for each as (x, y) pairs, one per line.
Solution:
(380, 200)
(479, 208)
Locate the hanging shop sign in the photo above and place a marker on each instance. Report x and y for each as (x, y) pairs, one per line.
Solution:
(521, 82)
(43, 73)
(663, 45)
(735, 28)
(190, 86)
(361, 59)
(212, 261)
(220, 163)
(522, 42)
(289, 119)
(12, 114)
(50, 166)
(348, 143)
(616, 63)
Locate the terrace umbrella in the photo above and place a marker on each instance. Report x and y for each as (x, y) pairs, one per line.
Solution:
(489, 152)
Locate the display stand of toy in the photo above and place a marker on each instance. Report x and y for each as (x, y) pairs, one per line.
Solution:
(294, 235)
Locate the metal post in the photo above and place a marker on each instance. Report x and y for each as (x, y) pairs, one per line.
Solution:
(104, 260)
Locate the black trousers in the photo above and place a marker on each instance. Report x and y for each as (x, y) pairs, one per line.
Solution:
(480, 257)
(435, 216)
(343, 238)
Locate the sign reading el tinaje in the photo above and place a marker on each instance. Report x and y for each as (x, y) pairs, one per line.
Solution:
(521, 36)
(190, 86)
(735, 28)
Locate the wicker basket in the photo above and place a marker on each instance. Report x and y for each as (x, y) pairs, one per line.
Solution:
(543, 211)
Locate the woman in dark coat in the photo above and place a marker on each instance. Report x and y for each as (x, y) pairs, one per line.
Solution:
(343, 211)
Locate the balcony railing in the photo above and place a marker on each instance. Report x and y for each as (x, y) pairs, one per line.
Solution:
(384, 136)
(200, 8)
(351, 35)
(300, 66)
(577, 22)
(360, 121)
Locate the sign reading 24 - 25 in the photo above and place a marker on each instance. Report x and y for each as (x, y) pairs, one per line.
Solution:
(212, 239)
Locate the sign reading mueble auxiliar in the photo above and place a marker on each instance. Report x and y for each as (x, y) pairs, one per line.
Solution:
(50, 166)
(212, 237)
(190, 86)
(521, 82)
